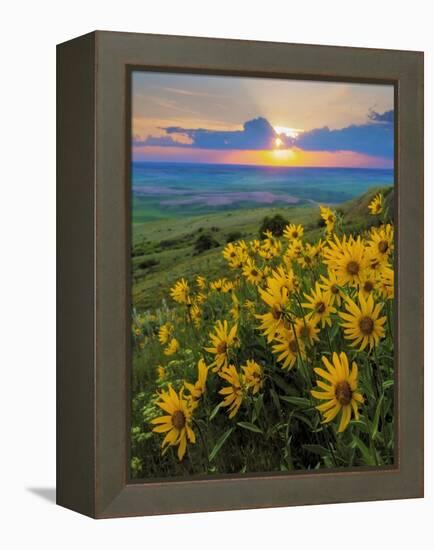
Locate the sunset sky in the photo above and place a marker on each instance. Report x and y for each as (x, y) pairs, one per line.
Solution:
(238, 120)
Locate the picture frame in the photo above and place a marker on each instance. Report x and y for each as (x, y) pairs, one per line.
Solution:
(93, 225)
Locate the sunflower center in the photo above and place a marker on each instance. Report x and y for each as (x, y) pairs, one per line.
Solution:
(320, 307)
(254, 273)
(295, 234)
(366, 325)
(277, 314)
(353, 267)
(368, 286)
(343, 393)
(304, 332)
(178, 420)
(222, 347)
(383, 246)
(293, 346)
(334, 289)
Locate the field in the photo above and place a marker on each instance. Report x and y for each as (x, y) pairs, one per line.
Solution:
(164, 250)
(245, 339)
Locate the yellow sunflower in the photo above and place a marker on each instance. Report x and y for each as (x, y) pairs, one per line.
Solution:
(281, 278)
(368, 283)
(222, 285)
(339, 391)
(201, 282)
(255, 246)
(276, 300)
(198, 389)
(251, 272)
(381, 240)
(294, 251)
(195, 315)
(172, 348)
(234, 392)
(223, 341)
(165, 332)
(293, 231)
(253, 375)
(351, 262)
(236, 308)
(363, 324)
(161, 373)
(306, 329)
(200, 298)
(180, 292)
(329, 218)
(234, 255)
(376, 205)
(320, 303)
(386, 283)
(331, 284)
(288, 348)
(177, 423)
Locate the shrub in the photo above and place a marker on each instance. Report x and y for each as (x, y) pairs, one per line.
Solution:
(276, 224)
(234, 236)
(151, 262)
(205, 242)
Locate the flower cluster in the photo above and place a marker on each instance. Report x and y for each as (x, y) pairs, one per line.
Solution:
(298, 320)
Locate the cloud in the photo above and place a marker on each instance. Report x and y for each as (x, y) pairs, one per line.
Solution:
(375, 137)
(256, 134)
(387, 117)
(163, 141)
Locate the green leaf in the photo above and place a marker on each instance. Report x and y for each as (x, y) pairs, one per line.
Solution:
(221, 441)
(297, 401)
(257, 407)
(361, 425)
(215, 411)
(387, 384)
(279, 381)
(334, 331)
(275, 399)
(316, 449)
(250, 426)
(377, 417)
(303, 419)
(369, 459)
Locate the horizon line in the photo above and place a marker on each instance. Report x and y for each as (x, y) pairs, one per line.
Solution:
(133, 161)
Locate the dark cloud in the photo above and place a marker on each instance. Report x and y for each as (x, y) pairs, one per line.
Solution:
(387, 117)
(375, 137)
(256, 134)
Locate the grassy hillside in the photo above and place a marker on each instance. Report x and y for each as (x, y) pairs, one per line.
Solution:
(164, 250)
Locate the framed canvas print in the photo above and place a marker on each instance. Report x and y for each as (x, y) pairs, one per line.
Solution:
(240, 270)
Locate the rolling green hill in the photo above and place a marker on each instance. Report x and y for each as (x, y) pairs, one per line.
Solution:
(165, 250)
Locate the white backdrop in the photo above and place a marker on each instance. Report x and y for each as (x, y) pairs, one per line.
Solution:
(29, 32)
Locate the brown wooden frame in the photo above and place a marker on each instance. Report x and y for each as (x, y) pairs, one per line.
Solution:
(93, 364)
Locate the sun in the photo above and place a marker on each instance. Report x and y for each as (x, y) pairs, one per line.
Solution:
(282, 156)
(278, 142)
(287, 131)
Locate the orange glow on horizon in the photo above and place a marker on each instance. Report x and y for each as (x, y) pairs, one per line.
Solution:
(273, 157)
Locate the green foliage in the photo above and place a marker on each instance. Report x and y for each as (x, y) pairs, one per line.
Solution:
(278, 428)
(234, 236)
(146, 264)
(205, 242)
(276, 224)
